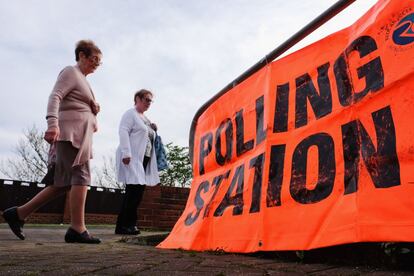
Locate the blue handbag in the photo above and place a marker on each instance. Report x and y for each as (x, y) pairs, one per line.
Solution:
(160, 154)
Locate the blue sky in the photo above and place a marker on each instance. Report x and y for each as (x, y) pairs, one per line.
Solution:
(184, 51)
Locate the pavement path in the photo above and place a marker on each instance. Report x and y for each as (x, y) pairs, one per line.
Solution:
(44, 252)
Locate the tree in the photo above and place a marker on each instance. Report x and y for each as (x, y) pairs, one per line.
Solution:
(106, 174)
(179, 173)
(31, 162)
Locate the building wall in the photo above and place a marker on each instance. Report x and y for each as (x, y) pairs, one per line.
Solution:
(160, 208)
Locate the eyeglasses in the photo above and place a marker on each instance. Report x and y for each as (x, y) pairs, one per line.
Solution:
(96, 60)
(148, 100)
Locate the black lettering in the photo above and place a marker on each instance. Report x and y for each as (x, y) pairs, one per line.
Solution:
(257, 164)
(241, 146)
(305, 89)
(382, 164)
(280, 121)
(237, 199)
(326, 172)
(198, 202)
(205, 150)
(351, 149)
(371, 71)
(260, 131)
(277, 160)
(216, 182)
(222, 159)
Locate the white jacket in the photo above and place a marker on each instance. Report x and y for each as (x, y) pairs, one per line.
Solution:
(133, 135)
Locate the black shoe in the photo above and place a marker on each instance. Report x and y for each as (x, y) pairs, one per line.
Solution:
(123, 230)
(136, 230)
(12, 218)
(84, 237)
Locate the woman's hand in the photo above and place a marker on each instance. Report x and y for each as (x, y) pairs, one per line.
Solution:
(154, 126)
(51, 134)
(126, 160)
(95, 108)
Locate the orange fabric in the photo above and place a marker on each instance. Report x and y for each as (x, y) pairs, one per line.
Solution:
(327, 162)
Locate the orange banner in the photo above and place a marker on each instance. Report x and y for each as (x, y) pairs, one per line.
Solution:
(313, 150)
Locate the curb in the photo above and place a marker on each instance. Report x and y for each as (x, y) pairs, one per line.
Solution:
(146, 240)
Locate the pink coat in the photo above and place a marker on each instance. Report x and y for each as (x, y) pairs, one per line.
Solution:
(69, 107)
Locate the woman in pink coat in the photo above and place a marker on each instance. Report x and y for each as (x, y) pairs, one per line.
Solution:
(71, 118)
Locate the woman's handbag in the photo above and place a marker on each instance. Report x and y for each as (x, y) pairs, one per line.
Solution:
(160, 154)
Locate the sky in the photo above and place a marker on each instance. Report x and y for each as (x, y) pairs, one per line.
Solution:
(183, 51)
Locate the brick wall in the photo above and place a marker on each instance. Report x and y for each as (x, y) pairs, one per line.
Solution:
(160, 208)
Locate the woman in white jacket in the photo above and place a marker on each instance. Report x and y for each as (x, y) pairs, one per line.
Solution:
(135, 160)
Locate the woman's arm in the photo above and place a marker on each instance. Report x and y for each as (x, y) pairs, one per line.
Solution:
(125, 128)
(65, 83)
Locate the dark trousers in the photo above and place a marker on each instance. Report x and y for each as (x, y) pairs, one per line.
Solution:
(127, 216)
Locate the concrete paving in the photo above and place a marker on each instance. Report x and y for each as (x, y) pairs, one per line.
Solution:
(44, 252)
